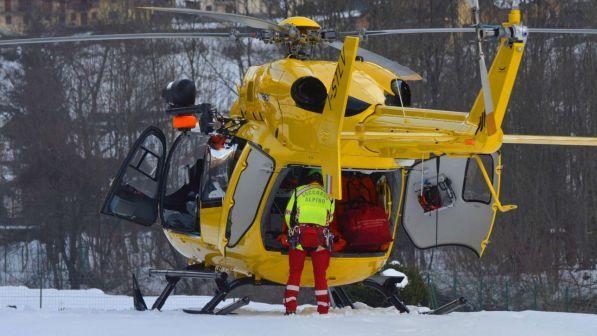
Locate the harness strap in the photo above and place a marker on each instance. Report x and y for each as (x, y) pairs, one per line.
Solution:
(293, 219)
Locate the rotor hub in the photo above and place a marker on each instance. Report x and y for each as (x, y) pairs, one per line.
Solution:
(302, 23)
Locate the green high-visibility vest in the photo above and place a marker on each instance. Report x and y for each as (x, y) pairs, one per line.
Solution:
(313, 206)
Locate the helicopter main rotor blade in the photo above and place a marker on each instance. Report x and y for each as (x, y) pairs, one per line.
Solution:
(413, 31)
(236, 18)
(404, 72)
(116, 37)
(563, 31)
(439, 30)
(549, 140)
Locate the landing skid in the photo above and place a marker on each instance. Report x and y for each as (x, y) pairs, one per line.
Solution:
(447, 308)
(387, 287)
(225, 310)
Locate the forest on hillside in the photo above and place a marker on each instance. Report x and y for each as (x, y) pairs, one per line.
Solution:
(70, 112)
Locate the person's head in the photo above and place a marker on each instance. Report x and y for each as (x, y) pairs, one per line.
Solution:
(314, 175)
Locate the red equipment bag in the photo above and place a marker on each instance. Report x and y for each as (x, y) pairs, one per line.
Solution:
(360, 188)
(366, 227)
(365, 224)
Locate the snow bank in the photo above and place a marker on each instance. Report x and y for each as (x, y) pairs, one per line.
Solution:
(390, 272)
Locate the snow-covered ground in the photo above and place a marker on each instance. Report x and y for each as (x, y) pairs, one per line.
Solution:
(91, 312)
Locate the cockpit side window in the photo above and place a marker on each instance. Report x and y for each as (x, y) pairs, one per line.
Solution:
(217, 173)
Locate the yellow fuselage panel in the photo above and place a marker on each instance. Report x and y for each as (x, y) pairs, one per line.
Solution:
(271, 97)
(342, 271)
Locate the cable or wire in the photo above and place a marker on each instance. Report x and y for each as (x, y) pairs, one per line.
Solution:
(422, 178)
(437, 165)
(402, 104)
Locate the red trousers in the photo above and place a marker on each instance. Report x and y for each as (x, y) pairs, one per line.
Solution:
(320, 260)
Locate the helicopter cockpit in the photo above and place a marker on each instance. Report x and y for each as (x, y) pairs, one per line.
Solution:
(196, 175)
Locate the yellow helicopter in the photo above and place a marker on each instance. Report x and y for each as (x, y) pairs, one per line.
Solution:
(221, 188)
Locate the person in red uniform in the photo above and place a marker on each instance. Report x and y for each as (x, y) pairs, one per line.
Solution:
(308, 214)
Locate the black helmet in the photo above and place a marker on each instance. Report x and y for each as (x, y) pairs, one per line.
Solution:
(314, 175)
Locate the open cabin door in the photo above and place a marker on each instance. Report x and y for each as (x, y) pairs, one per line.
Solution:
(257, 170)
(447, 202)
(133, 195)
(181, 190)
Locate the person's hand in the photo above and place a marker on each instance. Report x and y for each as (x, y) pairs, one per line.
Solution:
(283, 239)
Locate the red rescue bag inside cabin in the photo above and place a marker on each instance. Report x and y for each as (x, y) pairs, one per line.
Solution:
(366, 228)
(365, 224)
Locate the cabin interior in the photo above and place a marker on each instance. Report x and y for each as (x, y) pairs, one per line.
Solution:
(370, 189)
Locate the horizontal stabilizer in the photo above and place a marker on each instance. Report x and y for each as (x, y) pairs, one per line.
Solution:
(550, 140)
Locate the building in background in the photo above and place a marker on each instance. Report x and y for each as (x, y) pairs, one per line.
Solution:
(252, 7)
(20, 15)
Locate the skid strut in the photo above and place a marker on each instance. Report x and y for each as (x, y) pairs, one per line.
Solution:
(388, 289)
(224, 287)
(339, 297)
(138, 300)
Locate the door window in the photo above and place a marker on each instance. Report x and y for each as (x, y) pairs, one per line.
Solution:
(182, 183)
(475, 189)
(248, 194)
(134, 192)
